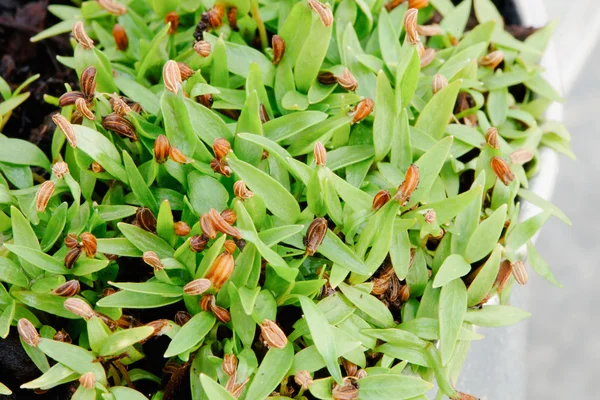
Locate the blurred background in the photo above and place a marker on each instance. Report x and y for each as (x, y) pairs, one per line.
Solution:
(561, 356)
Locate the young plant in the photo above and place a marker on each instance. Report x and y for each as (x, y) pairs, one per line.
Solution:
(308, 200)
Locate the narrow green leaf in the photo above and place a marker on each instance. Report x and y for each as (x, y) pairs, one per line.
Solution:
(120, 340)
(539, 265)
(21, 152)
(127, 299)
(493, 316)
(453, 267)
(434, 117)
(145, 241)
(138, 184)
(206, 192)
(213, 390)
(385, 110)
(322, 336)
(191, 333)
(277, 199)
(526, 230)
(74, 357)
(157, 288)
(453, 304)
(39, 258)
(370, 305)
(486, 276)
(271, 371)
(392, 386)
(486, 236)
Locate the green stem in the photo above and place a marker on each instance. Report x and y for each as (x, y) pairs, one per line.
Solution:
(262, 31)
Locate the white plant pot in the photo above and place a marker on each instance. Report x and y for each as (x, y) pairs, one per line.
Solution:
(495, 366)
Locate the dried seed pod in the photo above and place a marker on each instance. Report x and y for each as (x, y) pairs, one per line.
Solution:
(418, 4)
(314, 235)
(206, 100)
(362, 110)
(520, 272)
(221, 313)
(350, 367)
(113, 7)
(172, 76)
(520, 156)
(232, 18)
(380, 286)
(182, 317)
(159, 327)
(380, 199)
(430, 216)
(230, 363)
(81, 36)
(198, 243)
(278, 45)
(221, 147)
(346, 391)
(43, 195)
(145, 219)
(153, 260)
(119, 105)
(202, 48)
(207, 226)
(214, 16)
(492, 60)
(502, 170)
(28, 333)
(67, 289)
(361, 374)
(327, 78)
(429, 30)
(88, 380)
(390, 5)
(241, 191)
(234, 388)
(69, 98)
(185, 71)
(108, 292)
(67, 129)
(221, 225)
(97, 168)
(89, 244)
(439, 82)
(230, 246)
(491, 138)
(120, 37)
(272, 334)
(220, 167)
(323, 11)
(173, 19)
(264, 118)
(221, 270)
(347, 81)
(60, 169)
(197, 287)
(503, 276)
(71, 241)
(161, 149)
(82, 107)
(79, 308)
(76, 118)
(303, 379)
(119, 125)
(177, 155)
(62, 336)
(320, 154)
(408, 187)
(181, 228)
(229, 216)
(427, 57)
(127, 322)
(88, 82)
(410, 26)
(207, 302)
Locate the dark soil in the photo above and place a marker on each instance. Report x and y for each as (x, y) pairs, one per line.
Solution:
(20, 59)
